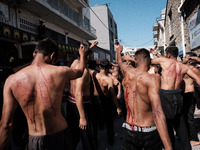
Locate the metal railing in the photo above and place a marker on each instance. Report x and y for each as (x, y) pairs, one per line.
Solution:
(63, 8)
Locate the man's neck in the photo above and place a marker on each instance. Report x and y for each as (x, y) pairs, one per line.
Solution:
(173, 58)
(142, 67)
(39, 58)
(102, 71)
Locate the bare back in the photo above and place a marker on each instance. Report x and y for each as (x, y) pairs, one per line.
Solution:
(172, 74)
(38, 89)
(136, 88)
(103, 81)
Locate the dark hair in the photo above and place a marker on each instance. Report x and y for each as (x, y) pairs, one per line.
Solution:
(92, 65)
(46, 47)
(191, 54)
(143, 54)
(105, 64)
(172, 50)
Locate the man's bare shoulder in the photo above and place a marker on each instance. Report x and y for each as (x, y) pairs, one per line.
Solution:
(150, 79)
(75, 64)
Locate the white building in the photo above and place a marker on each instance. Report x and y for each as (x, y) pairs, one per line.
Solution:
(106, 28)
(159, 32)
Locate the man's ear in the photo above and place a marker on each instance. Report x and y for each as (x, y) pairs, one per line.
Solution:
(52, 57)
(34, 54)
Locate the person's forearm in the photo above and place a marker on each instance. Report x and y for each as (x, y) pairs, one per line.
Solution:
(158, 55)
(119, 89)
(118, 57)
(5, 135)
(161, 125)
(81, 65)
(79, 104)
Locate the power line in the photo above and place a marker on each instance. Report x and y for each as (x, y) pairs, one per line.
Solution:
(145, 43)
(97, 17)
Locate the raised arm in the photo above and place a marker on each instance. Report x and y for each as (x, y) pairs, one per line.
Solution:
(79, 101)
(155, 52)
(76, 72)
(123, 66)
(112, 92)
(93, 44)
(9, 108)
(158, 115)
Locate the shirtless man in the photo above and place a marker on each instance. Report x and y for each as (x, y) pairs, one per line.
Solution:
(103, 95)
(189, 102)
(80, 115)
(145, 118)
(38, 90)
(113, 74)
(171, 94)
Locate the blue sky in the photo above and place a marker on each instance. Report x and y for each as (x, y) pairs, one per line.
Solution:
(135, 19)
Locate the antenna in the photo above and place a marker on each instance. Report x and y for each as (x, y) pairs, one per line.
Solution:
(107, 4)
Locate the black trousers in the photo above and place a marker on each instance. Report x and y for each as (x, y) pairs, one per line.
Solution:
(189, 108)
(172, 104)
(99, 111)
(141, 140)
(58, 141)
(88, 136)
(107, 104)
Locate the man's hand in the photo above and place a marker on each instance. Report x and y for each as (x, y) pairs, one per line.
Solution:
(153, 51)
(83, 123)
(82, 50)
(118, 47)
(94, 44)
(128, 57)
(197, 59)
(118, 96)
(119, 112)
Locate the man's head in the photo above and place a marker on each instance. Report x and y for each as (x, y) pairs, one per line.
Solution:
(105, 64)
(186, 59)
(49, 48)
(171, 52)
(142, 56)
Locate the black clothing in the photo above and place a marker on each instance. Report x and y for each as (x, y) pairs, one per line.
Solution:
(172, 105)
(58, 141)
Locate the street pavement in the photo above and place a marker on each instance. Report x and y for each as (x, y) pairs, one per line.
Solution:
(102, 138)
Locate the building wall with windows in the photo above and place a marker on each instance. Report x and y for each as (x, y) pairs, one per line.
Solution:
(189, 37)
(23, 23)
(103, 21)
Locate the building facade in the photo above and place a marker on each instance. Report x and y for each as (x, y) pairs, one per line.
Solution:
(182, 25)
(23, 23)
(106, 28)
(159, 32)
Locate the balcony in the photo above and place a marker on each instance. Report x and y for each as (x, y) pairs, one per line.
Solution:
(80, 3)
(155, 34)
(155, 27)
(58, 13)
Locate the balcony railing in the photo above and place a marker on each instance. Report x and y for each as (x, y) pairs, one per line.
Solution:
(63, 8)
(155, 34)
(155, 27)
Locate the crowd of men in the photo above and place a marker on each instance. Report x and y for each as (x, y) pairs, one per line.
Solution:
(157, 98)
